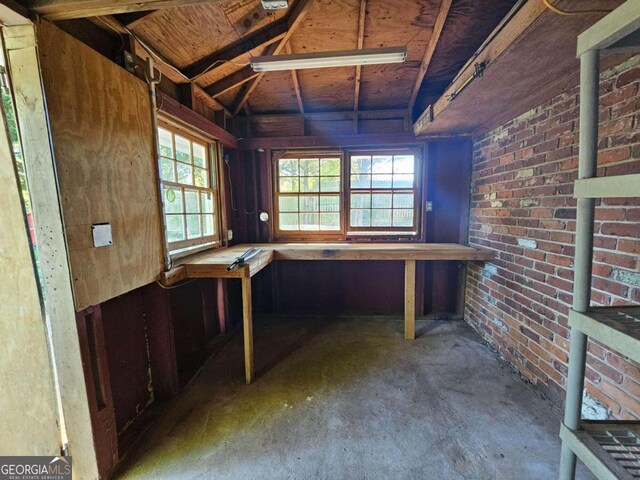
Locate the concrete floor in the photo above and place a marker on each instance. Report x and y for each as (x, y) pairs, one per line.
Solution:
(350, 398)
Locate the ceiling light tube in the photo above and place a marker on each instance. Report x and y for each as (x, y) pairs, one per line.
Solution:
(345, 58)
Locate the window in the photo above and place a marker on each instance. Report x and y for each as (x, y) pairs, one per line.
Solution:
(382, 192)
(336, 195)
(189, 189)
(308, 194)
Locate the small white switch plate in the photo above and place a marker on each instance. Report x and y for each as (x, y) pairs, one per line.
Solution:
(101, 233)
(429, 206)
(229, 235)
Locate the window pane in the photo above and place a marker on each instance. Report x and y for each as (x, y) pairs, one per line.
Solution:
(309, 221)
(381, 200)
(208, 225)
(381, 218)
(330, 167)
(403, 218)
(360, 200)
(288, 221)
(166, 170)
(199, 155)
(288, 184)
(403, 200)
(330, 203)
(403, 181)
(309, 184)
(360, 164)
(329, 221)
(288, 167)
(403, 164)
(309, 167)
(175, 228)
(381, 181)
(191, 201)
(185, 174)
(382, 164)
(166, 145)
(288, 204)
(172, 200)
(329, 184)
(207, 202)
(360, 181)
(183, 151)
(360, 218)
(200, 177)
(193, 226)
(309, 203)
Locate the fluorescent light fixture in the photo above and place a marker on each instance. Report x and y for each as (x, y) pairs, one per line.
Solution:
(344, 58)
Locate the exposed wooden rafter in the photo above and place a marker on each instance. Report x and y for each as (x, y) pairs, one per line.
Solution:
(69, 9)
(363, 13)
(296, 83)
(261, 38)
(441, 18)
(297, 16)
(231, 82)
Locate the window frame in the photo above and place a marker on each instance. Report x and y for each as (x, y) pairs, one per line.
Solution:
(212, 152)
(346, 232)
(306, 234)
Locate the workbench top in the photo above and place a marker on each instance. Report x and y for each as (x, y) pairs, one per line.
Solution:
(214, 264)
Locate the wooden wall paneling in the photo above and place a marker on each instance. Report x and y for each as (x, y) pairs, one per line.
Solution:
(22, 56)
(162, 355)
(97, 380)
(101, 128)
(127, 350)
(447, 163)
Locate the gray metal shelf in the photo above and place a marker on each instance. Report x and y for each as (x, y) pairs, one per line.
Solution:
(608, 187)
(611, 450)
(616, 327)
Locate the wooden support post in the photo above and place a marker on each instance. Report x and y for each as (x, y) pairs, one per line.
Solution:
(410, 299)
(247, 328)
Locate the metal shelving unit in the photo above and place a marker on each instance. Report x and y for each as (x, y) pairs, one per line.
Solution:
(610, 449)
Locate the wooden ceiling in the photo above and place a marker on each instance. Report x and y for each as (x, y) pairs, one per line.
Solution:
(212, 42)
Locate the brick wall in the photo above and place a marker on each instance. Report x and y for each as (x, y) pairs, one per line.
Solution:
(522, 208)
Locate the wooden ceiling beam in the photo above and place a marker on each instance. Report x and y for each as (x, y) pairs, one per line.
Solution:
(441, 18)
(231, 82)
(361, 17)
(70, 9)
(261, 38)
(297, 16)
(296, 83)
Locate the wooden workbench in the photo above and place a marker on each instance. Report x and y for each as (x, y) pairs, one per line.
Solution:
(214, 265)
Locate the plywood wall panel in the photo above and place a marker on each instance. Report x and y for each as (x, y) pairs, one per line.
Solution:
(103, 144)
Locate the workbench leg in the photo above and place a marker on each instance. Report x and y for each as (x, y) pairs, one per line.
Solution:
(247, 328)
(410, 299)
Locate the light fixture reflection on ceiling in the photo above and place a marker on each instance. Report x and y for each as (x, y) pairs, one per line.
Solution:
(344, 58)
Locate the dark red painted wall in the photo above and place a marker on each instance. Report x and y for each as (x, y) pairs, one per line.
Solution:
(359, 287)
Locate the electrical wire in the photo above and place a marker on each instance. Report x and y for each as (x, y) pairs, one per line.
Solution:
(559, 11)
